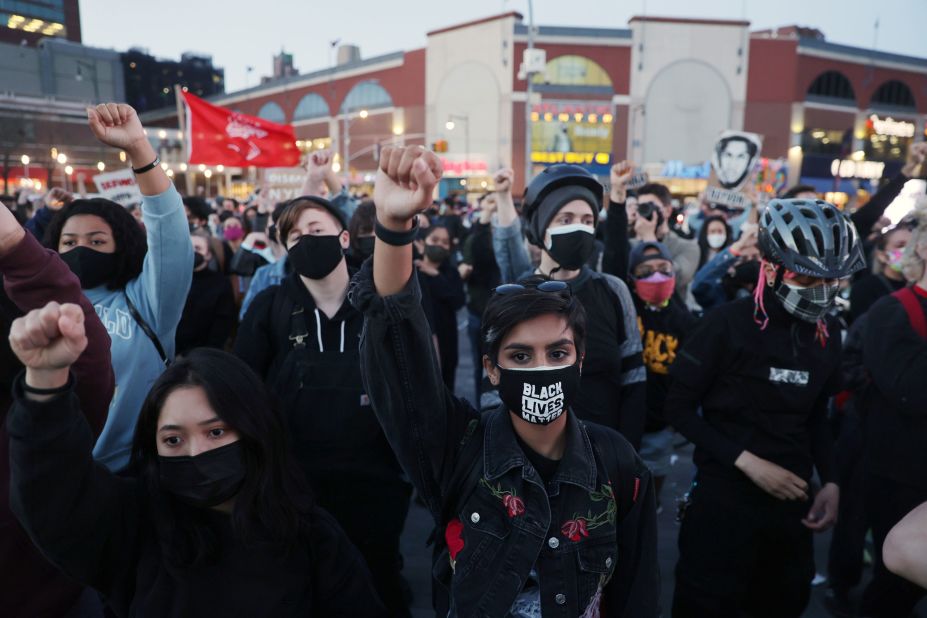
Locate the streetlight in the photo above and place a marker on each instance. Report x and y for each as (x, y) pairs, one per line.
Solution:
(68, 170)
(25, 159)
(62, 158)
(528, 91)
(465, 119)
(101, 166)
(348, 119)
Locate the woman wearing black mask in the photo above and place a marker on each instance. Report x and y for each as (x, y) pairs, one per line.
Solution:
(213, 503)
(209, 313)
(301, 337)
(537, 513)
(136, 279)
(444, 290)
(561, 211)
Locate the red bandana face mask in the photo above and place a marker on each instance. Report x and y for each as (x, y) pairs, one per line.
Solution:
(655, 289)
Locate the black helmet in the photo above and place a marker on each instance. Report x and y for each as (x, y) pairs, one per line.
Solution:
(810, 237)
(548, 181)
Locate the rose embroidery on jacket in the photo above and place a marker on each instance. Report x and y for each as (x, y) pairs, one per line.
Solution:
(453, 536)
(578, 527)
(514, 505)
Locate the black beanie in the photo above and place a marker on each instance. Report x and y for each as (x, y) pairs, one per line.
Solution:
(551, 205)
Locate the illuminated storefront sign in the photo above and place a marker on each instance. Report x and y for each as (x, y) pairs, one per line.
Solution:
(891, 127)
(678, 169)
(573, 132)
(847, 168)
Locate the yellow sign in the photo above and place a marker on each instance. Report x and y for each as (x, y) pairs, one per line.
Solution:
(576, 158)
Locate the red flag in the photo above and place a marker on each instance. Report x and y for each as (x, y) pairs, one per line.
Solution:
(219, 136)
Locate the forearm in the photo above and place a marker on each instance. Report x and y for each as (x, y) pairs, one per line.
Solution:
(505, 211)
(822, 443)
(617, 242)
(154, 181)
(682, 413)
(510, 252)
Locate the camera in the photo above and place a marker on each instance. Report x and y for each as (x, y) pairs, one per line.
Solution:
(647, 210)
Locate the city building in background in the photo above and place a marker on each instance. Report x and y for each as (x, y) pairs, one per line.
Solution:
(150, 81)
(26, 22)
(658, 92)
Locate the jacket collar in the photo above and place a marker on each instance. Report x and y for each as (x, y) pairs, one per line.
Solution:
(501, 451)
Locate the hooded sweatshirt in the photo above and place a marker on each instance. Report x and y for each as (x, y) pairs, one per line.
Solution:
(159, 294)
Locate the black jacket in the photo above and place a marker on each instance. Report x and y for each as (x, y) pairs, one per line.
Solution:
(896, 404)
(764, 391)
(477, 251)
(209, 314)
(96, 528)
(663, 332)
(504, 539)
(868, 290)
(310, 362)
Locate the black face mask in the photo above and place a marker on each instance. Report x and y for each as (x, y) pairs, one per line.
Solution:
(198, 261)
(316, 257)
(539, 395)
(206, 479)
(93, 268)
(436, 254)
(363, 246)
(571, 245)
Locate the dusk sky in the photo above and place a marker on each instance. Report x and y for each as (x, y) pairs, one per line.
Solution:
(240, 34)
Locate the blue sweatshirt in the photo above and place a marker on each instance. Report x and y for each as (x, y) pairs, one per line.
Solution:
(159, 294)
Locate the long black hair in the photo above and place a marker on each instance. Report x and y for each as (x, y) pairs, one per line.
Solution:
(274, 499)
(128, 235)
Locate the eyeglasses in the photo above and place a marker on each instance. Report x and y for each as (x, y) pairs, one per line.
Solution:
(550, 287)
(648, 271)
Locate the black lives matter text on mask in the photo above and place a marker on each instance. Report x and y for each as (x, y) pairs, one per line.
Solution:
(541, 404)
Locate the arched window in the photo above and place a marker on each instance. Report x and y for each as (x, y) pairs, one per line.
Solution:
(832, 86)
(573, 71)
(272, 112)
(366, 95)
(311, 106)
(894, 94)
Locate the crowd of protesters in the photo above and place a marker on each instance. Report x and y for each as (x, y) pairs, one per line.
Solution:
(225, 409)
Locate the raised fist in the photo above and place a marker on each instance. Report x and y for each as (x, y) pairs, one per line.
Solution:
(50, 338)
(116, 125)
(503, 180)
(621, 173)
(318, 164)
(405, 183)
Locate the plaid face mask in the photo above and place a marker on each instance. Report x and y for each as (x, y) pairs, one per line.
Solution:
(808, 304)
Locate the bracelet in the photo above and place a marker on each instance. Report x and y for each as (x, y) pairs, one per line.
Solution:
(46, 391)
(147, 168)
(396, 239)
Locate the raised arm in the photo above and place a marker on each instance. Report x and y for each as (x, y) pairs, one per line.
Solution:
(507, 242)
(421, 419)
(617, 243)
(82, 518)
(160, 291)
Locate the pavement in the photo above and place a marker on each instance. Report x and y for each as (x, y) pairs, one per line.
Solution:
(417, 557)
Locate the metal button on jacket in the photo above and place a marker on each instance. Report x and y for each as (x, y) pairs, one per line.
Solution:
(475, 518)
(554, 542)
(560, 598)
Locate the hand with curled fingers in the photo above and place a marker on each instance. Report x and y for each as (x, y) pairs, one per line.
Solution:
(48, 341)
(771, 478)
(116, 125)
(405, 183)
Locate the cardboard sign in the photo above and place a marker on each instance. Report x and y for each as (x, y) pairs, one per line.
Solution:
(726, 197)
(638, 180)
(733, 158)
(119, 186)
(283, 183)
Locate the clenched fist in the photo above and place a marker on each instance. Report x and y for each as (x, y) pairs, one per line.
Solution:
(405, 184)
(49, 339)
(116, 125)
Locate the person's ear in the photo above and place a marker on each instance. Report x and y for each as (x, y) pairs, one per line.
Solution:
(492, 370)
(345, 239)
(770, 271)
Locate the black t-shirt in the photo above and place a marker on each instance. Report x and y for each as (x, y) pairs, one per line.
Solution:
(545, 467)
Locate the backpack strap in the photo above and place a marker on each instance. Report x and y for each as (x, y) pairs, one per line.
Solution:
(908, 299)
(149, 332)
(298, 331)
(622, 470)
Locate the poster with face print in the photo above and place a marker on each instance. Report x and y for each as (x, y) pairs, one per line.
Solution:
(733, 158)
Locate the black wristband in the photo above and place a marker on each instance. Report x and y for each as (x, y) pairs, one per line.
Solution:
(147, 168)
(396, 239)
(46, 391)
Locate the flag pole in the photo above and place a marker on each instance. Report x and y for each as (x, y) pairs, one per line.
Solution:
(182, 123)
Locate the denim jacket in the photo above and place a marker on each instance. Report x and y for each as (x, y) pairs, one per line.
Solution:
(503, 523)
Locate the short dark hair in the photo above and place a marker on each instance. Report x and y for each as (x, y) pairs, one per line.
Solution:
(274, 498)
(506, 311)
(794, 191)
(197, 207)
(751, 145)
(131, 243)
(289, 217)
(362, 221)
(655, 188)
